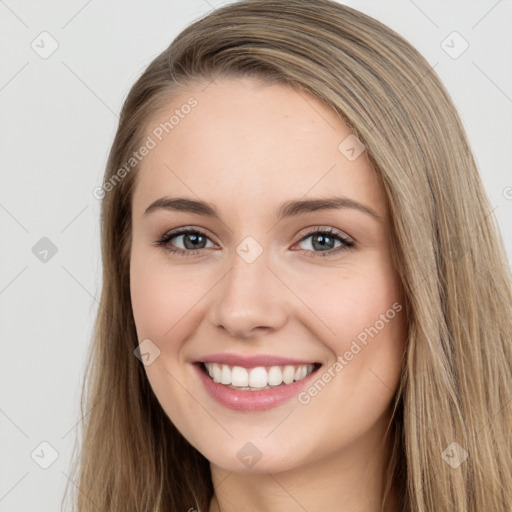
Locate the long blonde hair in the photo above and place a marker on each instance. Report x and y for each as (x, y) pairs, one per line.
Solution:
(457, 374)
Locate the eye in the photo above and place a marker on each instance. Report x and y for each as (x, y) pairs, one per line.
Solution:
(192, 239)
(324, 240)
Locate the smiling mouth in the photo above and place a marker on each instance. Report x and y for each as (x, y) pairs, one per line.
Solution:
(257, 378)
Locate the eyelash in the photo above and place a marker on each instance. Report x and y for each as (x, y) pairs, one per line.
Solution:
(346, 243)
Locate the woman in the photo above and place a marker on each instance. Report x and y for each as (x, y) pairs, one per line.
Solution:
(306, 303)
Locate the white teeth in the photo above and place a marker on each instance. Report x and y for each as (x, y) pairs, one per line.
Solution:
(258, 377)
(225, 377)
(216, 373)
(239, 377)
(275, 376)
(300, 372)
(288, 374)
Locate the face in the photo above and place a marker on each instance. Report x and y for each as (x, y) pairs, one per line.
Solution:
(298, 302)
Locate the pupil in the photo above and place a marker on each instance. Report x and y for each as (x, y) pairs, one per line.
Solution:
(322, 244)
(195, 238)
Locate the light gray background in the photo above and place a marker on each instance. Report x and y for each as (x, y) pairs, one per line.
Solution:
(58, 118)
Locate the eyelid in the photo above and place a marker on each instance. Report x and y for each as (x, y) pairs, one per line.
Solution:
(187, 228)
(324, 228)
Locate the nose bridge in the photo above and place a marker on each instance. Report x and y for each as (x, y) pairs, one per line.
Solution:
(249, 296)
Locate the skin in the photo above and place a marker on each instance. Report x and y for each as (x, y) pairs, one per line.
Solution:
(246, 148)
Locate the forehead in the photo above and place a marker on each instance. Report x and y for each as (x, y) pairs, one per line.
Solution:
(247, 144)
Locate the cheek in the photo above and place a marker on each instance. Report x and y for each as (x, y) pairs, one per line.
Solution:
(366, 313)
(356, 304)
(363, 326)
(161, 296)
(163, 305)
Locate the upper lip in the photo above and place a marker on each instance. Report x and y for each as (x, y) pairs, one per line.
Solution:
(253, 361)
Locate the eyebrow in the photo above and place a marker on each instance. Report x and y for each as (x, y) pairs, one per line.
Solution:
(287, 209)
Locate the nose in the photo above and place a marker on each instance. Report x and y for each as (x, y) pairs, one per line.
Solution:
(250, 299)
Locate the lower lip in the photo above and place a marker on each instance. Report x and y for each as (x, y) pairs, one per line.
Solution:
(248, 401)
